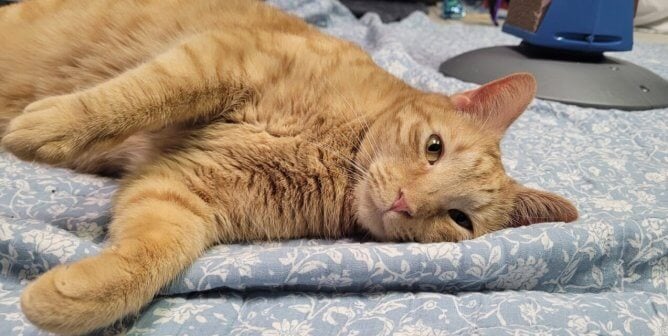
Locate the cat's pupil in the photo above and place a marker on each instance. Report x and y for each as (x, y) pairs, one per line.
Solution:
(434, 147)
(461, 219)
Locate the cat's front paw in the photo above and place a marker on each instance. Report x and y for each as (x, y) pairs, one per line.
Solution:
(76, 299)
(50, 130)
(49, 307)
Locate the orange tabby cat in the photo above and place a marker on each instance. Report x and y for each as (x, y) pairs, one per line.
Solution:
(231, 121)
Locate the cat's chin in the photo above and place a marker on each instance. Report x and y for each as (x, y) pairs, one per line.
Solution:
(370, 214)
(370, 219)
(377, 221)
(377, 230)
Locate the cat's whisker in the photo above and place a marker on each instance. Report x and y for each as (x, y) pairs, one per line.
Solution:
(361, 150)
(359, 170)
(365, 125)
(356, 172)
(372, 140)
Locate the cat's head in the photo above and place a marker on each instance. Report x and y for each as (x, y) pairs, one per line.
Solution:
(435, 171)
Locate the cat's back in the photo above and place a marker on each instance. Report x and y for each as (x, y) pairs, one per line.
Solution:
(62, 24)
(58, 46)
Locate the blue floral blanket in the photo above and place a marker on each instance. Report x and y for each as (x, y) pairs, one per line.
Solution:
(605, 274)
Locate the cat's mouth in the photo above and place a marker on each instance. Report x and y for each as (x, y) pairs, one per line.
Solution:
(392, 213)
(389, 209)
(379, 211)
(375, 223)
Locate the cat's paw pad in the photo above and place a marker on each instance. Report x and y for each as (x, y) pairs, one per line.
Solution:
(49, 131)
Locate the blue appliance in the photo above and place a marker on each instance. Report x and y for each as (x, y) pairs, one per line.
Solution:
(563, 47)
(582, 25)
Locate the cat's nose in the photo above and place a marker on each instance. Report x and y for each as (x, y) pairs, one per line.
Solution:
(401, 205)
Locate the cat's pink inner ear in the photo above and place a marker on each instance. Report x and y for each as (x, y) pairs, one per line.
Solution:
(534, 206)
(497, 104)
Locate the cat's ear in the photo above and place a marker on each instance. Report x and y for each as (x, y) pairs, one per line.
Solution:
(534, 206)
(497, 104)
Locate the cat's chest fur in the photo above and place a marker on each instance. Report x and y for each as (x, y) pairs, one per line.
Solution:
(278, 170)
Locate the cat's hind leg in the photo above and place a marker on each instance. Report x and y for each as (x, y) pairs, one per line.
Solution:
(159, 228)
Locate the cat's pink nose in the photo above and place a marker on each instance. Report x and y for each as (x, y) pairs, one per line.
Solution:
(401, 205)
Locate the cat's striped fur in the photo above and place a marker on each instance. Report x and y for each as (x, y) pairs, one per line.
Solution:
(231, 121)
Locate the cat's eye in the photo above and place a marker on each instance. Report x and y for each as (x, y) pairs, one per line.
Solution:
(461, 219)
(434, 148)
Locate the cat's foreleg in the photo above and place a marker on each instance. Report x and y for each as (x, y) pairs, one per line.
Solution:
(208, 75)
(159, 228)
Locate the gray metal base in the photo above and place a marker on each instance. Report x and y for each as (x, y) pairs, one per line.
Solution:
(591, 80)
